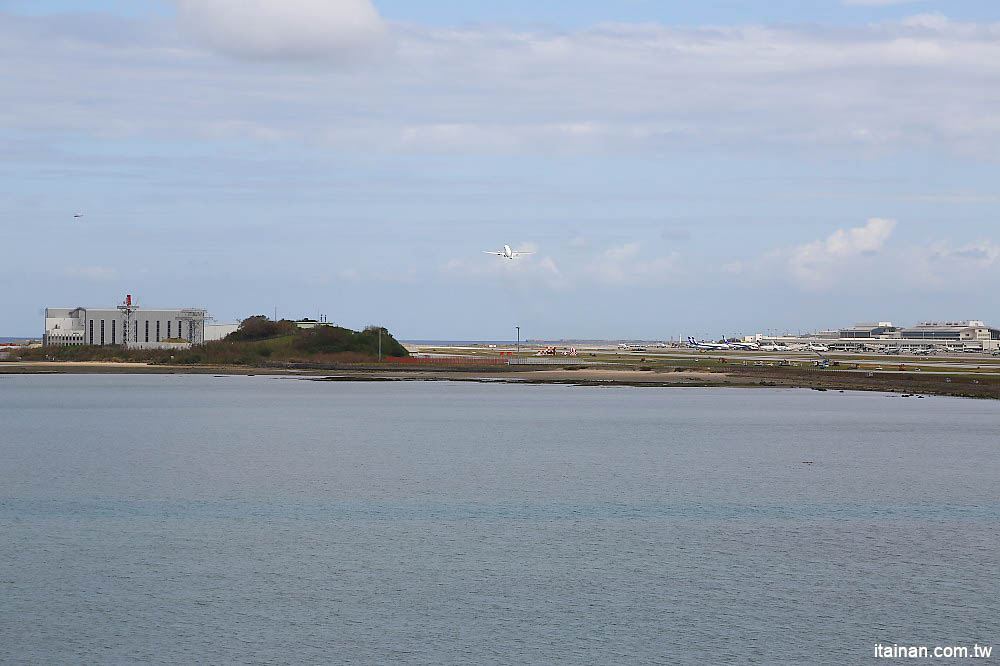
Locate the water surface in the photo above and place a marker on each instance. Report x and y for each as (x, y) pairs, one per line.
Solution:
(183, 519)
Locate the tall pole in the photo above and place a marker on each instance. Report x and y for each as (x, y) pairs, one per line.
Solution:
(518, 339)
(380, 344)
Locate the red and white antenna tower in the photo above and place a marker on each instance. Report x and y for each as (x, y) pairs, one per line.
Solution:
(128, 309)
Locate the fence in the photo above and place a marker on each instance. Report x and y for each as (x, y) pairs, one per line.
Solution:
(471, 360)
(432, 361)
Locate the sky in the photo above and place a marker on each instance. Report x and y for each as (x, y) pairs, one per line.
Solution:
(716, 168)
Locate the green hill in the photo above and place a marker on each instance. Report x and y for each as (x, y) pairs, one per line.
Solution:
(258, 341)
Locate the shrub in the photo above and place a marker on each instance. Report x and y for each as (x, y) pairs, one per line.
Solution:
(260, 327)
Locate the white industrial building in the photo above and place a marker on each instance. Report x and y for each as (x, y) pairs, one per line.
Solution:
(219, 331)
(965, 335)
(137, 328)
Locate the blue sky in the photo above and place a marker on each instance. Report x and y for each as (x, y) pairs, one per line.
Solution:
(582, 13)
(705, 168)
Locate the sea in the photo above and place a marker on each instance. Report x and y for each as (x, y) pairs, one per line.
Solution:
(186, 519)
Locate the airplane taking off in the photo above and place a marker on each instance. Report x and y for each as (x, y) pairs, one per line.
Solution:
(506, 252)
(714, 346)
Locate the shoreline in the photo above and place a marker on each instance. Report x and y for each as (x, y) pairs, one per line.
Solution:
(735, 377)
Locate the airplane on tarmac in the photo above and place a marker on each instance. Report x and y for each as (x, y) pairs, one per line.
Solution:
(743, 346)
(818, 348)
(709, 346)
(506, 252)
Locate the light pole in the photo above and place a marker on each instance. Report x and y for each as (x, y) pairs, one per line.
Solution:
(379, 344)
(518, 339)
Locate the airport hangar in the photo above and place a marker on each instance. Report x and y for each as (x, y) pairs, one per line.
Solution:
(965, 335)
(147, 328)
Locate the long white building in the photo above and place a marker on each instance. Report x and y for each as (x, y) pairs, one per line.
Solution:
(965, 335)
(146, 329)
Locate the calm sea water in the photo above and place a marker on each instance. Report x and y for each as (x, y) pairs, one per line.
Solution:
(192, 519)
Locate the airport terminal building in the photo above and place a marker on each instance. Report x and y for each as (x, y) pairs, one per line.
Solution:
(966, 335)
(138, 329)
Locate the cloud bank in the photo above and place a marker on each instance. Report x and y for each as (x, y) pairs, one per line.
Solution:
(925, 83)
(293, 29)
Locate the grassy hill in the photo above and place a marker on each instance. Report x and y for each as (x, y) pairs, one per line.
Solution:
(258, 342)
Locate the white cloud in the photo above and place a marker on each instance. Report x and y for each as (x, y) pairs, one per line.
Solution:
(840, 259)
(922, 83)
(942, 264)
(983, 252)
(860, 259)
(625, 265)
(818, 264)
(283, 28)
(617, 255)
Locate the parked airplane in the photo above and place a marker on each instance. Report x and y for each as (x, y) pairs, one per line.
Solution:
(744, 346)
(507, 253)
(819, 348)
(713, 346)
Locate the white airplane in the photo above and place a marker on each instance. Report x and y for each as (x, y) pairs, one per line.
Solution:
(744, 346)
(713, 346)
(819, 348)
(506, 252)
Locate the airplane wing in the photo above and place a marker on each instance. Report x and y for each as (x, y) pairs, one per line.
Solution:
(492, 252)
(519, 252)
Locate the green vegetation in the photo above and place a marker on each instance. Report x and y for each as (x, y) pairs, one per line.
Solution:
(258, 342)
(260, 327)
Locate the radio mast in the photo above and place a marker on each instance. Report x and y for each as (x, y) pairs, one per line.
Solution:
(127, 309)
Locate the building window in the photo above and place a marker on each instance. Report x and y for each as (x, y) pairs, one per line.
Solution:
(191, 331)
(147, 330)
(136, 339)
(102, 332)
(168, 329)
(91, 331)
(113, 322)
(157, 330)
